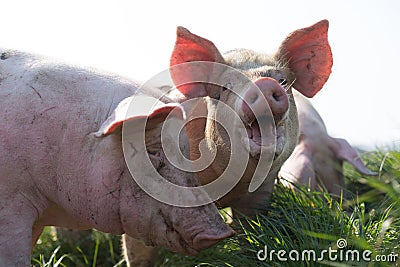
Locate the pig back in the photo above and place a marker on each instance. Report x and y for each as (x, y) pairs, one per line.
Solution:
(46, 111)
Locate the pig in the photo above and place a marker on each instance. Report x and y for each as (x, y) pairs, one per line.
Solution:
(303, 61)
(317, 160)
(62, 163)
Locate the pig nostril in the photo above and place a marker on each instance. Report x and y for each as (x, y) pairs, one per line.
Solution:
(277, 97)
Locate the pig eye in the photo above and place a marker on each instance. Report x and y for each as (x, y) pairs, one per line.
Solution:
(282, 82)
(227, 86)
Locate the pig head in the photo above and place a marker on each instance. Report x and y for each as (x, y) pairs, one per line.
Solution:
(303, 61)
(185, 230)
(317, 160)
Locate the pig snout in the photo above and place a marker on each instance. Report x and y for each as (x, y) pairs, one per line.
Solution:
(203, 229)
(269, 90)
(205, 240)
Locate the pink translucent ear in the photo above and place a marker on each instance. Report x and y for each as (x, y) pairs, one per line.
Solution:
(191, 48)
(309, 56)
(137, 108)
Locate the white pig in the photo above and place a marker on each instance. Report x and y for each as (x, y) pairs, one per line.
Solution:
(62, 164)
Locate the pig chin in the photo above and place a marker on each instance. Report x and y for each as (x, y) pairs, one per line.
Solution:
(272, 142)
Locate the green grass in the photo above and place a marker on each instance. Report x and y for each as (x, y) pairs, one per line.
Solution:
(86, 248)
(368, 220)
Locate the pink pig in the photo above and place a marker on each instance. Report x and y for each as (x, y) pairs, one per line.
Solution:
(318, 158)
(62, 163)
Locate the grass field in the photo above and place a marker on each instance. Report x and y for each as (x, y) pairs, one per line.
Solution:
(305, 228)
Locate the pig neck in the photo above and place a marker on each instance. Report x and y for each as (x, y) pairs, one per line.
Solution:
(91, 198)
(312, 129)
(107, 172)
(308, 116)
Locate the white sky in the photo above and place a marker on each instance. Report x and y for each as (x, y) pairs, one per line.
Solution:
(360, 102)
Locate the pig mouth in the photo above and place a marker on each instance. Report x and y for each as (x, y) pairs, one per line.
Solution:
(272, 141)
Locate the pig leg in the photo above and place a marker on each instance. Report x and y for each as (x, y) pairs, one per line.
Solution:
(15, 234)
(299, 168)
(137, 254)
(344, 151)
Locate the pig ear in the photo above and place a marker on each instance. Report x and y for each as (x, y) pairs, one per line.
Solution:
(190, 48)
(309, 56)
(139, 108)
(344, 151)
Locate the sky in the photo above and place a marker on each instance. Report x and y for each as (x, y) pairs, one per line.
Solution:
(360, 102)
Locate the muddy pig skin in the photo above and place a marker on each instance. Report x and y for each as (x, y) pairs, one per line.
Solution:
(62, 164)
(317, 160)
(302, 62)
